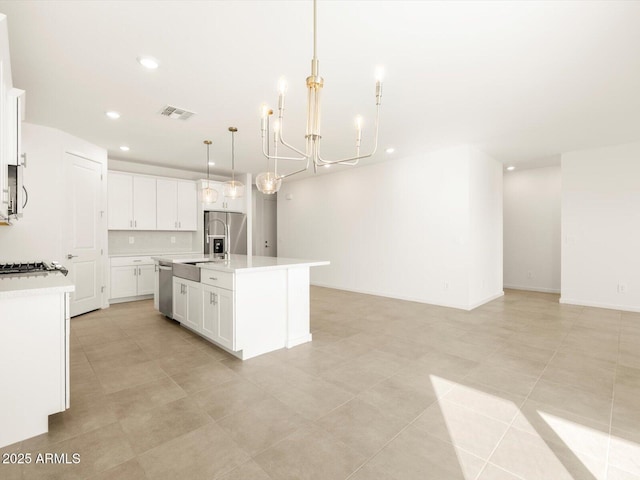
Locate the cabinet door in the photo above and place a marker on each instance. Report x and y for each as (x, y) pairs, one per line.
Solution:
(123, 282)
(146, 279)
(144, 203)
(209, 312)
(187, 206)
(226, 322)
(179, 301)
(156, 287)
(166, 204)
(194, 306)
(234, 204)
(120, 201)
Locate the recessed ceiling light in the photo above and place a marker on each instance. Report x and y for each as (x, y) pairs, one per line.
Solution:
(511, 167)
(113, 115)
(148, 62)
(211, 164)
(390, 150)
(124, 148)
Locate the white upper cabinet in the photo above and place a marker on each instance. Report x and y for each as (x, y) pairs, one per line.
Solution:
(120, 201)
(167, 204)
(144, 203)
(177, 205)
(222, 203)
(131, 202)
(187, 206)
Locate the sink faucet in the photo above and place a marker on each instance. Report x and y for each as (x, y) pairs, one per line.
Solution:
(226, 238)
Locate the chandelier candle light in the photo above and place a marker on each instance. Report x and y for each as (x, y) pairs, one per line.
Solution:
(233, 188)
(209, 195)
(312, 138)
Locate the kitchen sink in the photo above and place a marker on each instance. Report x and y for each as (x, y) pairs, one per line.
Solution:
(188, 271)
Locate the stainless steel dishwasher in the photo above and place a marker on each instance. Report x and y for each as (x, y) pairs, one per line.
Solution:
(165, 288)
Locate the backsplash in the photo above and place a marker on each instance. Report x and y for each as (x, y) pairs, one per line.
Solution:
(145, 242)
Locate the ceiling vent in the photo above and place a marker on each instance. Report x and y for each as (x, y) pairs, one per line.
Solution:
(176, 113)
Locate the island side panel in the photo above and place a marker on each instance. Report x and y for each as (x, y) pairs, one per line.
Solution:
(32, 353)
(298, 310)
(261, 311)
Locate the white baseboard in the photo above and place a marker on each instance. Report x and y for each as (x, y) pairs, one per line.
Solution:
(532, 289)
(624, 308)
(299, 341)
(408, 299)
(485, 300)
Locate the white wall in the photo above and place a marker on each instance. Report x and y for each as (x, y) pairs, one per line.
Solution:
(39, 235)
(485, 203)
(601, 227)
(532, 229)
(399, 228)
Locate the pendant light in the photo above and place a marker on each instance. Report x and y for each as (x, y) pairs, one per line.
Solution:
(270, 182)
(310, 153)
(209, 195)
(233, 188)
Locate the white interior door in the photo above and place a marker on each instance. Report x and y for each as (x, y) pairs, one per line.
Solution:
(84, 232)
(269, 226)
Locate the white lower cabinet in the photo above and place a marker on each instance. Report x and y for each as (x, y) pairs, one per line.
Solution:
(205, 309)
(131, 277)
(218, 319)
(187, 303)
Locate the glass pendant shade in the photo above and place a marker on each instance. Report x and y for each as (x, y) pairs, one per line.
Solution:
(233, 189)
(209, 195)
(268, 183)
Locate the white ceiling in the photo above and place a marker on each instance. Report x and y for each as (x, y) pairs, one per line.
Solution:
(521, 80)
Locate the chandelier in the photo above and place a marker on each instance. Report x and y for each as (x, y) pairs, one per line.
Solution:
(271, 181)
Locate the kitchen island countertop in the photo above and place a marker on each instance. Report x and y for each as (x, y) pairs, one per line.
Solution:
(26, 285)
(244, 263)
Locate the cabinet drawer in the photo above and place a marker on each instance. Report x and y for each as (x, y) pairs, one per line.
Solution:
(217, 279)
(123, 261)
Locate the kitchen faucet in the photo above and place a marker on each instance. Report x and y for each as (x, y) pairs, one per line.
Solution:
(226, 238)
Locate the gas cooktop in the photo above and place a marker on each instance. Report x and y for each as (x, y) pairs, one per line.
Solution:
(31, 268)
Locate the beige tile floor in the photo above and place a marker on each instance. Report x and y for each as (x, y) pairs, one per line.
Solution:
(521, 388)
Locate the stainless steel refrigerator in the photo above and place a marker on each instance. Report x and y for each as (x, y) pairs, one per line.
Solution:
(237, 223)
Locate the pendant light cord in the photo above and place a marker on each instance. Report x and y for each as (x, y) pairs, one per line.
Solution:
(233, 157)
(315, 27)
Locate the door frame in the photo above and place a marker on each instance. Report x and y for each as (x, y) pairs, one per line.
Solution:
(103, 232)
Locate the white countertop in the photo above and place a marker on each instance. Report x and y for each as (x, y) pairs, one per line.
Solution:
(181, 257)
(244, 263)
(156, 254)
(27, 285)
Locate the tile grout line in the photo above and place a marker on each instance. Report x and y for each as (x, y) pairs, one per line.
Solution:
(613, 400)
(523, 403)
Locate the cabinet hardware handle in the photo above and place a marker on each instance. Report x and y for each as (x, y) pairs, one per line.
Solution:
(135, 223)
(213, 278)
(131, 223)
(210, 297)
(139, 271)
(134, 272)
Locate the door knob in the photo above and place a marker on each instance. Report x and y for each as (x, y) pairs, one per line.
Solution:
(69, 256)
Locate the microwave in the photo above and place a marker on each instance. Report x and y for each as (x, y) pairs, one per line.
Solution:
(17, 194)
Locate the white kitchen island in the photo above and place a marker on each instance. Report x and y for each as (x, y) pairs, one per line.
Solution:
(247, 305)
(34, 353)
